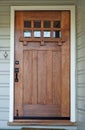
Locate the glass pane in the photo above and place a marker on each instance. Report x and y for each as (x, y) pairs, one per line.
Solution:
(57, 34)
(27, 34)
(27, 24)
(37, 24)
(46, 24)
(37, 33)
(56, 24)
(47, 34)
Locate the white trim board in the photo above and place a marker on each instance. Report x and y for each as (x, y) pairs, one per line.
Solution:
(72, 55)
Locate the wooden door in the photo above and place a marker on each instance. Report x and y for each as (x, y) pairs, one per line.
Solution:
(42, 65)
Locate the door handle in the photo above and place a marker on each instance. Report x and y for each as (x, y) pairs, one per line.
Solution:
(16, 74)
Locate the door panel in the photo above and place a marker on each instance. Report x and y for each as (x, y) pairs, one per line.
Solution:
(28, 74)
(42, 49)
(35, 78)
(41, 111)
(49, 89)
(42, 77)
(56, 78)
(38, 67)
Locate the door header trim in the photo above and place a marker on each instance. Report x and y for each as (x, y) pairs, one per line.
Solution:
(71, 8)
(59, 7)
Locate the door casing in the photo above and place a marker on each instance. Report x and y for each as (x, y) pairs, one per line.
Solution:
(72, 55)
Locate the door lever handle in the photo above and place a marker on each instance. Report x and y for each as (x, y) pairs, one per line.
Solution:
(16, 74)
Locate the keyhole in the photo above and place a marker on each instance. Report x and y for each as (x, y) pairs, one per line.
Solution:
(17, 114)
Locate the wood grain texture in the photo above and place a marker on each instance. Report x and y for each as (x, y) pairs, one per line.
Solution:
(42, 15)
(65, 22)
(41, 129)
(56, 78)
(42, 110)
(49, 71)
(41, 77)
(44, 68)
(65, 67)
(18, 56)
(35, 78)
(28, 76)
(42, 123)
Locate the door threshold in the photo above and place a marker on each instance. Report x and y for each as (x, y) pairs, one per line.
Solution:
(42, 123)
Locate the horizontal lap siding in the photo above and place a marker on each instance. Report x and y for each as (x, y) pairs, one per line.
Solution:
(37, 2)
(4, 87)
(4, 63)
(81, 65)
(5, 47)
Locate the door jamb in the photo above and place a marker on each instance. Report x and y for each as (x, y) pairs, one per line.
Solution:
(71, 8)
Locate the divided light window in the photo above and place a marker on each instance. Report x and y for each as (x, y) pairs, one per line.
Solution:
(42, 29)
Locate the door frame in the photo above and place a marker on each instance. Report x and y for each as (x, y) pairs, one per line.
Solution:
(71, 8)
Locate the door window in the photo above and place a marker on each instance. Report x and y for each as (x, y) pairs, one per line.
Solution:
(48, 29)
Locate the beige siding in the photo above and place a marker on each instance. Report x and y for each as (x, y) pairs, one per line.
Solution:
(36, 2)
(5, 47)
(4, 63)
(81, 64)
